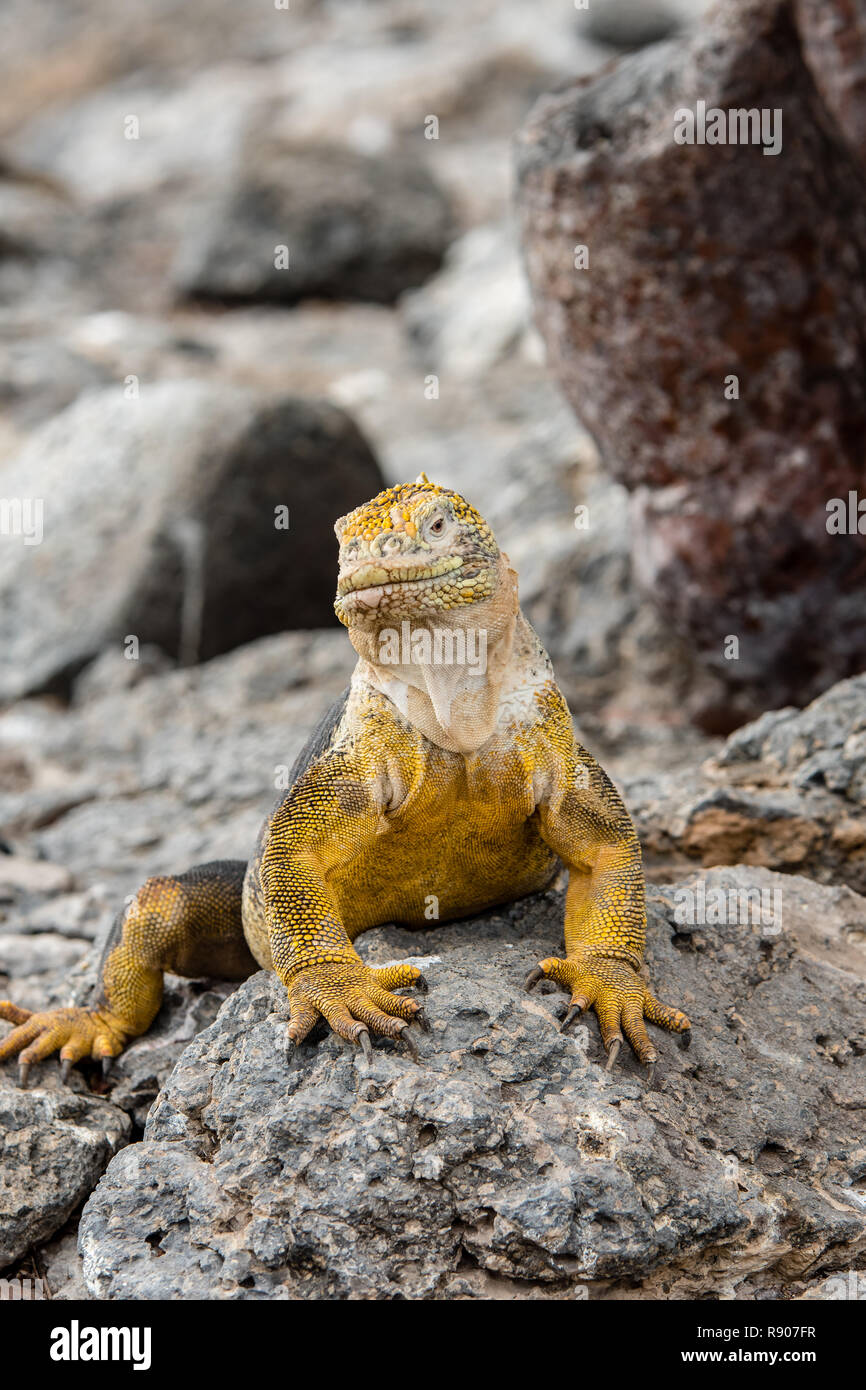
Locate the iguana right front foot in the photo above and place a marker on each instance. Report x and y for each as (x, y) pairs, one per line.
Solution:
(355, 999)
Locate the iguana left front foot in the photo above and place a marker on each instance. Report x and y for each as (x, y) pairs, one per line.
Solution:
(76, 1033)
(620, 998)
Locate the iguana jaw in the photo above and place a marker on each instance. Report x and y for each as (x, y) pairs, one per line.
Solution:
(426, 588)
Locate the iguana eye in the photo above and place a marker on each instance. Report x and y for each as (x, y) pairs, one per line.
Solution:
(437, 526)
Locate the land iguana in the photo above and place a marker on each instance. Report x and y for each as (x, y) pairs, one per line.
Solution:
(459, 780)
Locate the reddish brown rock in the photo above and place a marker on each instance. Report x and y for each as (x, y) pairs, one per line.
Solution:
(706, 262)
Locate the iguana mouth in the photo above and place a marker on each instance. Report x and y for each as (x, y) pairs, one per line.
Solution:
(372, 576)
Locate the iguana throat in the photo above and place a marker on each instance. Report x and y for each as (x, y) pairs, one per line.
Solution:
(445, 673)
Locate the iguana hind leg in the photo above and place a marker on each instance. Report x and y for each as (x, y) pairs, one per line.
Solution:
(189, 924)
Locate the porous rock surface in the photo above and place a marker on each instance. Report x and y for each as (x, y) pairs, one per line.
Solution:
(54, 1144)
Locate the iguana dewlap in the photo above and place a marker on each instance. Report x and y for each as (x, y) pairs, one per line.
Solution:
(446, 780)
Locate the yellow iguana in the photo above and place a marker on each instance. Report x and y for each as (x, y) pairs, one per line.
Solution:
(448, 769)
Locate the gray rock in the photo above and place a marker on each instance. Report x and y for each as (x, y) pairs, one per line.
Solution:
(110, 672)
(629, 23)
(54, 1143)
(179, 769)
(39, 377)
(22, 953)
(138, 1074)
(356, 227)
(508, 1154)
(86, 914)
(158, 520)
(61, 1266)
(31, 875)
(787, 791)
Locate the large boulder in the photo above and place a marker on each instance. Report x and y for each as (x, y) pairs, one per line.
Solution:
(509, 1159)
(709, 263)
(195, 516)
(353, 226)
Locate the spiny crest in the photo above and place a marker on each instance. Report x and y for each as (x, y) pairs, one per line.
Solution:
(402, 507)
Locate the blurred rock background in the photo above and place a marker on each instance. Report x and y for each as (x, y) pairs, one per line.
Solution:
(165, 389)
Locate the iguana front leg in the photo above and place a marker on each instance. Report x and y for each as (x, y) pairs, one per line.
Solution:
(583, 819)
(331, 814)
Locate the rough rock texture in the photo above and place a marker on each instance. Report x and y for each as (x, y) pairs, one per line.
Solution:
(356, 227)
(189, 1006)
(711, 260)
(508, 1161)
(54, 1143)
(787, 791)
(160, 520)
(834, 47)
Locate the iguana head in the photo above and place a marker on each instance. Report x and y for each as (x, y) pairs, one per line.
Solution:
(416, 551)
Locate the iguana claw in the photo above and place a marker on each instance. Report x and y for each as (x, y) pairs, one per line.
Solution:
(75, 1033)
(574, 1011)
(409, 1042)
